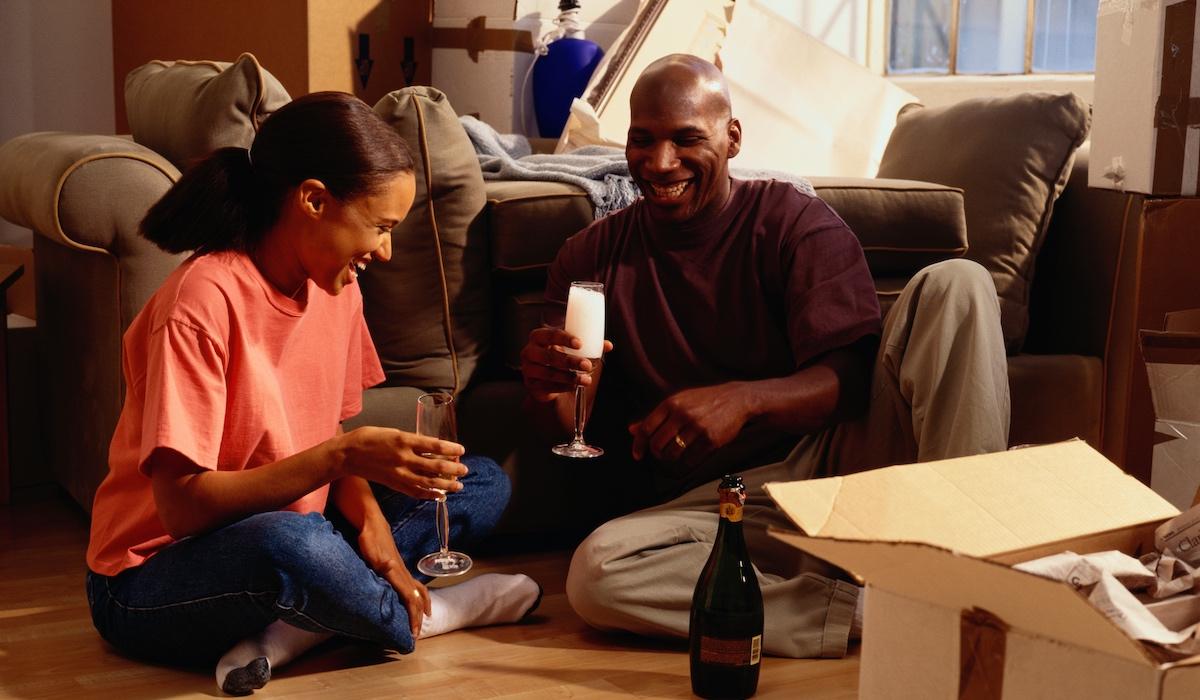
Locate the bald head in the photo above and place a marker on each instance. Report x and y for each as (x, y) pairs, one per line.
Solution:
(682, 81)
(681, 137)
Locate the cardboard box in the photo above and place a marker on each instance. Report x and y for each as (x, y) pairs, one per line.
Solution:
(945, 614)
(309, 45)
(483, 50)
(1147, 78)
(788, 119)
(1172, 358)
(661, 27)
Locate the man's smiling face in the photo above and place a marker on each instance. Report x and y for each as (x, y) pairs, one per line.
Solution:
(680, 139)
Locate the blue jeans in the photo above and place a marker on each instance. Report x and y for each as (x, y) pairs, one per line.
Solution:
(193, 600)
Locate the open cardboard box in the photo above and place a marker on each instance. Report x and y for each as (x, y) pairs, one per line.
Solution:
(1173, 368)
(945, 615)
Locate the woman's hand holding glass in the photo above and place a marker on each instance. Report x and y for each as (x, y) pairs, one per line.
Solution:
(394, 458)
(436, 416)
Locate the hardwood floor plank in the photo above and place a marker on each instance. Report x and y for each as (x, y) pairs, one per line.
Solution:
(48, 648)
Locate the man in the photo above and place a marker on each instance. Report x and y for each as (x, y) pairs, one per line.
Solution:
(745, 329)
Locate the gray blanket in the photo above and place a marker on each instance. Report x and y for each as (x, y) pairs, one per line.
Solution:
(600, 171)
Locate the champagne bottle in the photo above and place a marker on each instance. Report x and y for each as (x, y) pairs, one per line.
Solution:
(726, 627)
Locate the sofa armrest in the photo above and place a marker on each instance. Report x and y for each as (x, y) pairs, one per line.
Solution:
(903, 225)
(84, 196)
(89, 193)
(52, 182)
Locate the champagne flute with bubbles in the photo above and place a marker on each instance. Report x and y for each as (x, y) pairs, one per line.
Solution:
(585, 320)
(435, 418)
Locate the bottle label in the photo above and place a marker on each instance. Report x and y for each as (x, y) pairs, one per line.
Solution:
(731, 652)
(731, 505)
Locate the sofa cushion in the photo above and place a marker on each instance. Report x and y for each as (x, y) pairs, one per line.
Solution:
(529, 221)
(1011, 156)
(186, 109)
(428, 307)
(902, 225)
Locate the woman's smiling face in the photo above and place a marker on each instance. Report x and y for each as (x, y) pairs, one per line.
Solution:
(353, 233)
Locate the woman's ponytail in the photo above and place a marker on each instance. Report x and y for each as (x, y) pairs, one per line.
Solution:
(226, 203)
(211, 208)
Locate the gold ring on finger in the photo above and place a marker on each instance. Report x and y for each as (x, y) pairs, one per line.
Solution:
(679, 441)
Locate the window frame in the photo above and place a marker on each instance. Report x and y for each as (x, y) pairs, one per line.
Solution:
(952, 65)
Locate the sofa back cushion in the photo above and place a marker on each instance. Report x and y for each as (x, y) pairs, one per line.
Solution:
(1011, 156)
(428, 308)
(902, 225)
(186, 109)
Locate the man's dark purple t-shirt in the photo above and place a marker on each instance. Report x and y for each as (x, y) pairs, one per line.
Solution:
(772, 282)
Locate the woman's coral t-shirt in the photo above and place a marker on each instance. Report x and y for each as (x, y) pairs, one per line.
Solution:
(229, 372)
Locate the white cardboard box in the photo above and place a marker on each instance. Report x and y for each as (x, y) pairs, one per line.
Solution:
(1173, 368)
(483, 49)
(946, 616)
(804, 107)
(1144, 111)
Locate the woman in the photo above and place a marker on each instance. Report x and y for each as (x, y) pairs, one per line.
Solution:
(209, 536)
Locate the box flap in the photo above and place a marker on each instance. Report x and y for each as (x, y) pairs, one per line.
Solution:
(1187, 321)
(1027, 602)
(1172, 360)
(982, 505)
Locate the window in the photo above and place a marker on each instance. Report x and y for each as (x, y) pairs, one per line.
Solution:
(980, 37)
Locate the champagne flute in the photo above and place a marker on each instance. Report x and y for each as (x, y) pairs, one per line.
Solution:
(585, 320)
(435, 418)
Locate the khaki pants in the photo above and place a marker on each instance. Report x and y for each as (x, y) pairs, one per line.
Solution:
(939, 390)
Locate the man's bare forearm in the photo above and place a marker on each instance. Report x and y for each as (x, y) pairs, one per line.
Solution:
(831, 390)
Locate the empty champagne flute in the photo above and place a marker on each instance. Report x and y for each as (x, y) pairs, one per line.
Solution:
(435, 418)
(585, 320)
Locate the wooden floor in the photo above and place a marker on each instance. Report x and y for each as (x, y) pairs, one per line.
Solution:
(48, 648)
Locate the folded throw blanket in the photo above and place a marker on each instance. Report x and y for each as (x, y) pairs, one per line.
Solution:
(601, 171)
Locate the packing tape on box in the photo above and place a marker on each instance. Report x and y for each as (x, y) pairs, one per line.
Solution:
(981, 647)
(1115, 171)
(1126, 7)
(476, 36)
(1176, 113)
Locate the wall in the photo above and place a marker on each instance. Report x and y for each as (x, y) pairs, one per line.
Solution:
(216, 30)
(57, 76)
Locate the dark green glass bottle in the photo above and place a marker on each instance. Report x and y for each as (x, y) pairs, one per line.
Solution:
(726, 627)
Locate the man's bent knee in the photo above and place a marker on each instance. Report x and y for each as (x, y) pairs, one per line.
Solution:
(956, 277)
(588, 585)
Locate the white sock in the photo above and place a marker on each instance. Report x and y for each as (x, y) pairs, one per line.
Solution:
(247, 666)
(487, 599)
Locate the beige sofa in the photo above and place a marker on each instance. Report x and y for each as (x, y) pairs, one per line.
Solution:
(455, 308)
